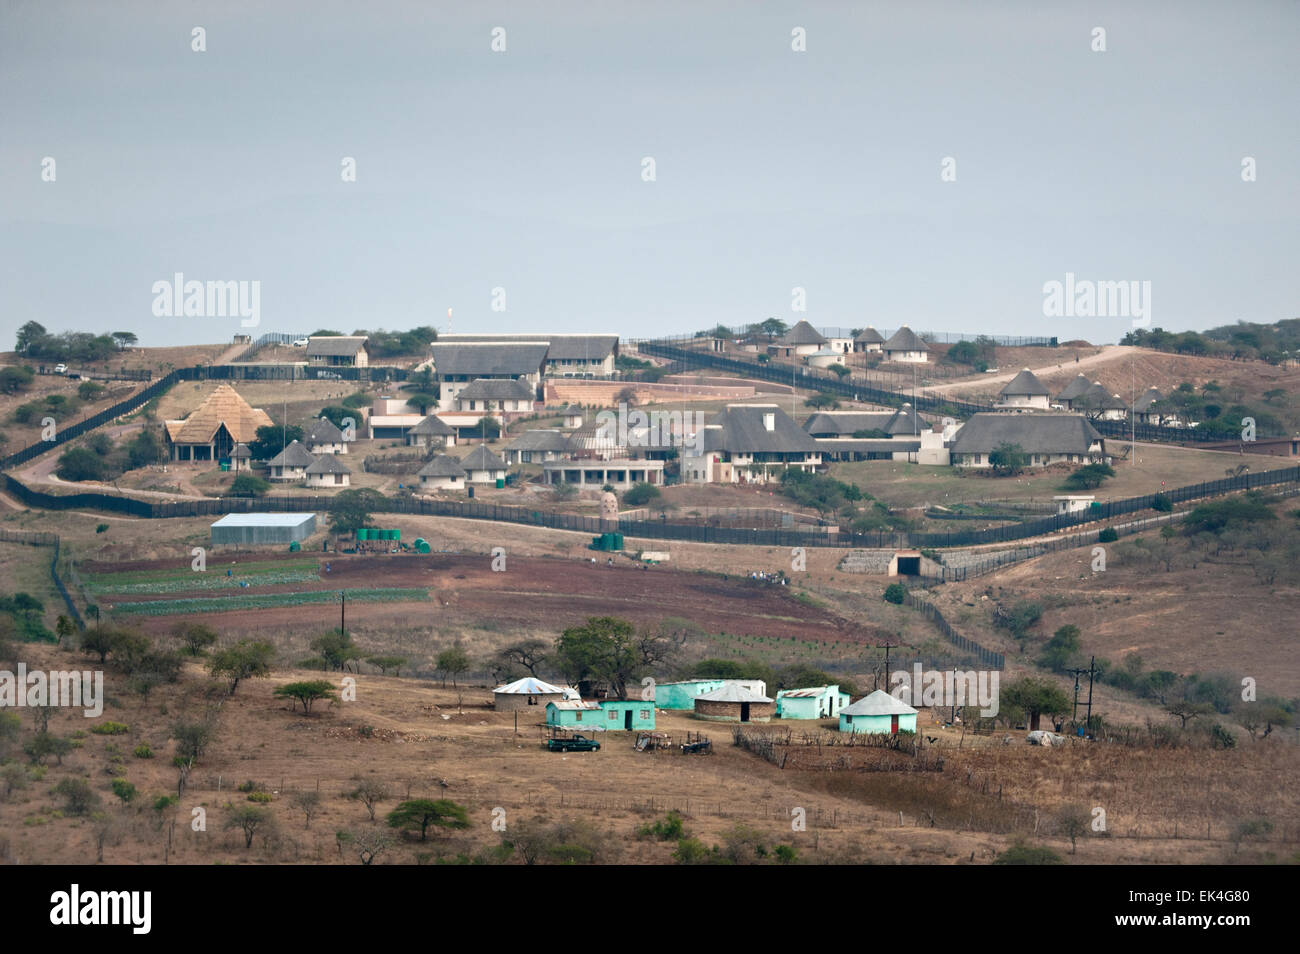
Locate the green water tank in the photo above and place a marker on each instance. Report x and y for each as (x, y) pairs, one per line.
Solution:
(421, 545)
(294, 546)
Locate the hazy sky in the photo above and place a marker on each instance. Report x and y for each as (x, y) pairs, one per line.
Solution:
(523, 169)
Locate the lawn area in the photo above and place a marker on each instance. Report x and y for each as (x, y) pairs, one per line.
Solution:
(912, 485)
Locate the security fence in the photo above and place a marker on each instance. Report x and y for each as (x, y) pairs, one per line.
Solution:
(39, 538)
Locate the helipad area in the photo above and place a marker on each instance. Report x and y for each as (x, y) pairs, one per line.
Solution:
(263, 528)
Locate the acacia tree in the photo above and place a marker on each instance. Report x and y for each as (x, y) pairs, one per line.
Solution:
(529, 653)
(604, 649)
(452, 662)
(1033, 697)
(306, 692)
(420, 813)
(370, 792)
(250, 819)
(247, 659)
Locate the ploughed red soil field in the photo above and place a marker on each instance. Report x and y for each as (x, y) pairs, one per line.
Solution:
(531, 592)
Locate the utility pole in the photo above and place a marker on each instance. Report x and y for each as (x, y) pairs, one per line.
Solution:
(343, 613)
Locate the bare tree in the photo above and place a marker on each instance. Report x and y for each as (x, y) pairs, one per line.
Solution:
(308, 803)
(370, 843)
(370, 792)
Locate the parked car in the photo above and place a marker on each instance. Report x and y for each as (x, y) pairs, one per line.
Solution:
(579, 743)
(60, 369)
(1041, 737)
(300, 343)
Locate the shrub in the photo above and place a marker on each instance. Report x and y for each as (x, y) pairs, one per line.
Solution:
(110, 728)
(123, 789)
(101, 528)
(638, 495)
(669, 828)
(1162, 503)
(1109, 535)
(78, 797)
(142, 751)
(1023, 854)
(895, 593)
(262, 797)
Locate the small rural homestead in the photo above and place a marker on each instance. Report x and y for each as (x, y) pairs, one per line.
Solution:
(734, 703)
(747, 443)
(817, 702)
(528, 692)
(291, 463)
(1046, 438)
(533, 447)
(241, 458)
(800, 341)
(572, 415)
(906, 346)
(1146, 412)
(1025, 391)
(606, 715)
(213, 429)
(1098, 403)
(328, 471)
(878, 713)
(442, 473)
(1073, 503)
(482, 466)
(433, 431)
(869, 341)
(263, 529)
(323, 437)
(338, 351)
(681, 695)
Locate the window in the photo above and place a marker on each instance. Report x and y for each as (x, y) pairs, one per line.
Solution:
(613, 715)
(645, 713)
(532, 700)
(577, 717)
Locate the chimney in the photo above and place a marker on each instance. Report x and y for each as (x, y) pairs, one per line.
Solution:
(769, 421)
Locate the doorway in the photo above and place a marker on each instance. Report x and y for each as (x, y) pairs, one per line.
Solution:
(627, 719)
(744, 712)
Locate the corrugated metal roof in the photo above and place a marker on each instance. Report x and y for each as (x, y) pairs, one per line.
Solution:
(878, 703)
(733, 693)
(529, 686)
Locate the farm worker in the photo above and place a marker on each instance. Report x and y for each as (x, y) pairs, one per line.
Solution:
(228, 573)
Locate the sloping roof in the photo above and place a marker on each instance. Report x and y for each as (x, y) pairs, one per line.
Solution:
(442, 466)
(480, 458)
(1026, 382)
(868, 445)
(295, 455)
(545, 439)
(241, 452)
(328, 464)
(1097, 398)
(336, 345)
(1075, 389)
(906, 421)
(869, 335)
(323, 431)
(571, 705)
(733, 692)
(495, 389)
(738, 428)
(484, 359)
(433, 425)
(529, 686)
(1035, 433)
(878, 703)
(560, 347)
(802, 334)
(1148, 398)
(223, 406)
(905, 339)
(826, 352)
(847, 423)
(810, 693)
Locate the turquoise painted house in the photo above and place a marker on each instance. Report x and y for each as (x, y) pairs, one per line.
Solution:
(613, 715)
(878, 713)
(818, 702)
(574, 714)
(682, 695)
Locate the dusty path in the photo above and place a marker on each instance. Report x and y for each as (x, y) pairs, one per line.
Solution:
(1107, 353)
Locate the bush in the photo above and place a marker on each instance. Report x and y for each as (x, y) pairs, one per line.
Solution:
(101, 528)
(123, 789)
(78, 797)
(1109, 535)
(1023, 854)
(262, 797)
(248, 485)
(1162, 503)
(638, 495)
(142, 751)
(895, 593)
(1089, 477)
(669, 828)
(110, 728)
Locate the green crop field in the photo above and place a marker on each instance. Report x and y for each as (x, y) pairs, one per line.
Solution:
(226, 604)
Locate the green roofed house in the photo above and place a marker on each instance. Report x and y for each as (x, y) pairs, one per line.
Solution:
(818, 702)
(878, 713)
(627, 714)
